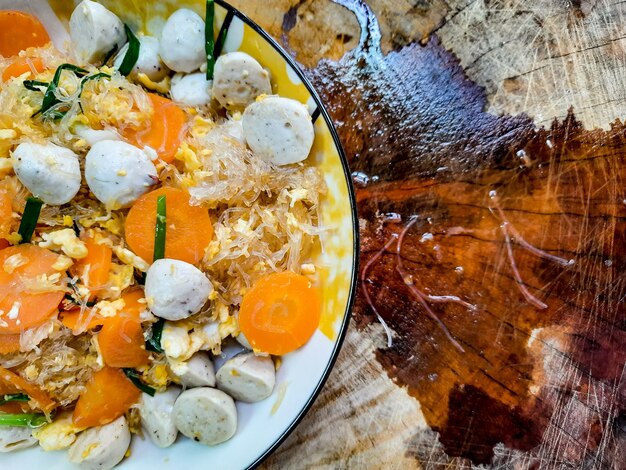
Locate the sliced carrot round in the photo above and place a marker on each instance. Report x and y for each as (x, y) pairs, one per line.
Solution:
(6, 212)
(80, 322)
(107, 396)
(19, 31)
(22, 65)
(94, 268)
(10, 382)
(21, 308)
(121, 339)
(280, 313)
(9, 344)
(188, 228)
(164, 133)
(134, 302)
(13, 407)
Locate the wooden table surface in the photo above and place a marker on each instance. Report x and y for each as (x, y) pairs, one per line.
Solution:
(493, 248)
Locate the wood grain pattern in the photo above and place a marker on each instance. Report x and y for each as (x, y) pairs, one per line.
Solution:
(536, 387)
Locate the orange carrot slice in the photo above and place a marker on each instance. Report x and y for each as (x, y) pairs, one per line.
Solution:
(94, 268)
(76, 322)
(189, 230)
(9, 344)
(10, 382)
(12, 407)
(280, 313)
(22, 65)
(165, 131)
(133, 308)
(107, 396)
(23, 310)
(121, 340)
(6, 212)
(19, 31)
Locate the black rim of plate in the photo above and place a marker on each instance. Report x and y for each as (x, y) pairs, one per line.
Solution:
(321, 110)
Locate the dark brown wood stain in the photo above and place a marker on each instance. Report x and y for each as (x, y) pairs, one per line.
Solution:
(421, 145)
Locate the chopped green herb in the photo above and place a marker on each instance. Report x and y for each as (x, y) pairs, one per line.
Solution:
(87, 79)
(221, 40)
(32, 420)
(110, 54)
(140, 278)
(154, 342)
(29, 219)
(209, 40)
(4, 399)
(134, 377)
(72, 299)
(91, 77)
(34, 85)
(76, 228)
(49, 98)
(159, 229)
(132, 54)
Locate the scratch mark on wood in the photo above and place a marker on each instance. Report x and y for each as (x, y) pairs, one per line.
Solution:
(364, 281)
(419, 295)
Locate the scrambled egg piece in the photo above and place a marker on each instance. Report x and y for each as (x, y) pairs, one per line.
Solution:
(120, 278)
(178, 368)
(13, 262)
(128, 257)
(175, 341)
(66, 241)
(6, 141)
(14, 238)
(179, 344)
(156, 375)
(200, 127)
(6, 166)
(63, 263)
(108, 308)
(308, 268)
(58, 435)
(162, 87)
(110, 221)
(186, 155)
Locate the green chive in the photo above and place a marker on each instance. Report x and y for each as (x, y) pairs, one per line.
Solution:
(110, 54)
(91, 77)
(159, 230)
(133, 376)
(73, 300)
(140, 278)
(221, 40)
(132, 54)
(154, 342)
(34, 85)
(29, 219)
(209, 41)
(49, 98)
(87, 79)
(13, 397)
(32, 420)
